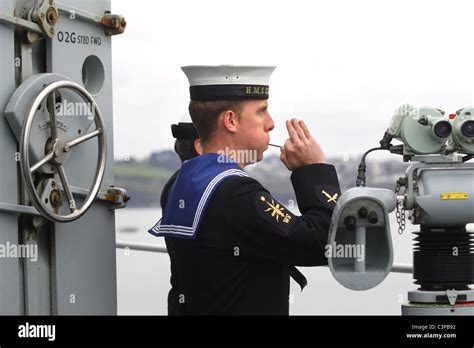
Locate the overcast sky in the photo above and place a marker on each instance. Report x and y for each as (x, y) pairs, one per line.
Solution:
(342, 66)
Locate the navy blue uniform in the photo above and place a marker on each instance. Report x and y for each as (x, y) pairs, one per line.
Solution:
(247, 243)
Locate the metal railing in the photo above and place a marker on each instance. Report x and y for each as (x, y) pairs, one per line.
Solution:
(141, 247)
(396, 268)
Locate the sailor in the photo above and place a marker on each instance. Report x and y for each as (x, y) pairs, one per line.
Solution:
(187, 145)
(232, 245)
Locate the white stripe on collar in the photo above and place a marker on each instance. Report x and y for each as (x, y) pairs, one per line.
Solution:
(190, 231)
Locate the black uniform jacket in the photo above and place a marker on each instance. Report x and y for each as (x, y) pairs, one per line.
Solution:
(240, 261)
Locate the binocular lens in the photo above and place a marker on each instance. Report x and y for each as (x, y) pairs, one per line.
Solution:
(442, 129)
(467, 129)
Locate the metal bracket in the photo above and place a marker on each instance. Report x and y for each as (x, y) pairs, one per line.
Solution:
(117, 196)
(20, 23)
(46, 15)
(430, 159)
(452, 296)
(114, 24)
(18, 209)
(41, 19)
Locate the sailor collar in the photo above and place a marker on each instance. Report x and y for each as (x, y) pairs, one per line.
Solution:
(189, 196)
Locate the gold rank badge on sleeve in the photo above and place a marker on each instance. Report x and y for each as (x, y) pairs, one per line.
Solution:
(327, 194)
(273, 211)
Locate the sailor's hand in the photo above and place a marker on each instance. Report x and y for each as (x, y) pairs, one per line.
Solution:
(301, 148)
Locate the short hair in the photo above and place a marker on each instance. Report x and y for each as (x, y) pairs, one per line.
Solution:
(205, 113)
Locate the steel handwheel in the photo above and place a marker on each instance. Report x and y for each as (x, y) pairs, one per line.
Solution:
(58, 151)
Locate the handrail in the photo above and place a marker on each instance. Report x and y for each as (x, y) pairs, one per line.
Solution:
(396, 268)
(141, 246)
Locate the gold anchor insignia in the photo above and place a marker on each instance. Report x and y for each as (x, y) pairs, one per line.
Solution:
(331, 198)
(276, 210)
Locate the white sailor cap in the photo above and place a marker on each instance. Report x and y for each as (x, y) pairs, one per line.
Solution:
(228, 82)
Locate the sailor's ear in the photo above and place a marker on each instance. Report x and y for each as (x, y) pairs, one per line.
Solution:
(230, 120)
(197, 146)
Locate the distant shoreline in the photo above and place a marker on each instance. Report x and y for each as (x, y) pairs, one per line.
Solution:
(144, 179)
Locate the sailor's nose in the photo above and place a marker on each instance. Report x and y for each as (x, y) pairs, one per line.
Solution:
(270, 124)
